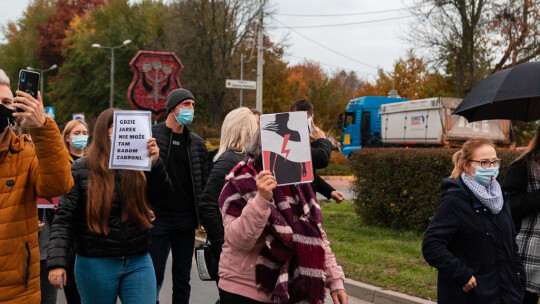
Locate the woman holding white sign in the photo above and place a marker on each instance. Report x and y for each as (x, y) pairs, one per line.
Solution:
(275, 249)
(108, 217)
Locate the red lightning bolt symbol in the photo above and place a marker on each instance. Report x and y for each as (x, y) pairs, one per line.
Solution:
(283, 150)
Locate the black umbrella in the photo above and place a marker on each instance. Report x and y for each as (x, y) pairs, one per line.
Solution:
(512, 94)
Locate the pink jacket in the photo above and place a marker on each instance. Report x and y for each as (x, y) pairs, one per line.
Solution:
(242, 245)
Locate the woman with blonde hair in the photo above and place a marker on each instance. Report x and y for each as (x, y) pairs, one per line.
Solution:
(471, 238)
(107, 215)
(522, 185)
(237, 131)
(75, 138)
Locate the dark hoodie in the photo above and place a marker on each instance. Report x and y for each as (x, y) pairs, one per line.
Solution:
(464, 239)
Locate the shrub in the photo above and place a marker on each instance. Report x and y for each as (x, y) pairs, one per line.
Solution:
(337, 158)
(399, 188)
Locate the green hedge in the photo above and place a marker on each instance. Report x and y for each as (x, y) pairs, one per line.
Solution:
(399, 188)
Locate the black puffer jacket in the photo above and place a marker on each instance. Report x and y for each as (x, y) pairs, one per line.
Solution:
(465, 239)
(209, 213)
(321, 149)
(123, 239)
(197, 158)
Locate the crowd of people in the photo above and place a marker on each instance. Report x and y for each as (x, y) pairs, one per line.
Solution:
(113, 230)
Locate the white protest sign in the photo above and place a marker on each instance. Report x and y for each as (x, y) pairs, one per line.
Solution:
(285, 147)
(131, 131)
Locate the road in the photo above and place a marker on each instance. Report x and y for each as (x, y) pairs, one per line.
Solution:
(201, 292)
(206, 292)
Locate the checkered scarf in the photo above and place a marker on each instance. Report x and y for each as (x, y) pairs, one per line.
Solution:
(528, 238)
(491, 197)
(291, 267)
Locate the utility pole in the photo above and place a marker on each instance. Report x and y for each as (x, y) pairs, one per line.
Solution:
(260, 49)
(241, 74)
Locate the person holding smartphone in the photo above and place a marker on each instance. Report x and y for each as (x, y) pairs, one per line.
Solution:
(28, 170)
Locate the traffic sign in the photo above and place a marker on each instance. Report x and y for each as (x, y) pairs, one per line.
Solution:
(49, 111)
(240, 84)
(79, 116)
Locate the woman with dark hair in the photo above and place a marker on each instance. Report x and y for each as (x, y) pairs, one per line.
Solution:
(275, 250)
(107, 215)
(471, 238)
(521, 183)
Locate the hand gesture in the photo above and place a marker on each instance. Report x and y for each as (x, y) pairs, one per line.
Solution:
(201, 230)
(33, 109)
(58, 277)
(337, 196)
(317, 133)
(339, 296)
(470, 285)
(265, 184)
(153, 150)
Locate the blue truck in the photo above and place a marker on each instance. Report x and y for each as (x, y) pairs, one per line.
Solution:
(360, 120)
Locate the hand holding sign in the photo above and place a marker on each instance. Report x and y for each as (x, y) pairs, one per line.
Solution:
(153, 150)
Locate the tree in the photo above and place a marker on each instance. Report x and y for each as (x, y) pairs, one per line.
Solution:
(53, 32)
(207, 35)
(82, 84)
(452, 32)
(412, 79)
(22, 37)
(516, 25)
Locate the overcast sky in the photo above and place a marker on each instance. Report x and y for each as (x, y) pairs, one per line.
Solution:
(373, 40)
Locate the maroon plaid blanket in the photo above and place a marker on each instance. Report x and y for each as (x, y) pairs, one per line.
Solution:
(291, 267)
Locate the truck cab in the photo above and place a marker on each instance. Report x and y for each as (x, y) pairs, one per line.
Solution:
(360, 120)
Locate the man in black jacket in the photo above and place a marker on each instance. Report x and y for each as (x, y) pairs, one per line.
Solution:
(321, 149)
(184, 155)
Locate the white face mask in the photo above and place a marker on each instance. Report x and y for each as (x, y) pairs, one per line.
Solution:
(309, 122)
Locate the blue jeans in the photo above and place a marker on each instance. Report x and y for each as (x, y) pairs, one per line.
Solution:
(102, 280)
(176, 233)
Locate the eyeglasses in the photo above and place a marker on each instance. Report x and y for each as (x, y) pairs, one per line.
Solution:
(486, 163)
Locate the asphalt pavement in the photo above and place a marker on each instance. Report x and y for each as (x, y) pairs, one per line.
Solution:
(202, 292)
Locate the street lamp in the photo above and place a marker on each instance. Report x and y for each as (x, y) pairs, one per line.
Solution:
(112, 48)
(42, 77)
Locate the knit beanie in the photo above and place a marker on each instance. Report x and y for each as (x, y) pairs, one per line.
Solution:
(176, 97)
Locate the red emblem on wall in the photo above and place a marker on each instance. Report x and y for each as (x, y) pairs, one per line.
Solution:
(155, 75)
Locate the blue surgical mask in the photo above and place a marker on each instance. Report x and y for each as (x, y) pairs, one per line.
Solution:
(185, 116)
(485, 176)
(79, 142)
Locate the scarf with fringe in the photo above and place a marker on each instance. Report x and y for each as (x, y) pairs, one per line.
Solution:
(291, 266)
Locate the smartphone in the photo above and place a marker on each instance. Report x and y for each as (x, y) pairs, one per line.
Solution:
(29, 83)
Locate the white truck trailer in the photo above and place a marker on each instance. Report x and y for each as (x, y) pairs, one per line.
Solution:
(430, 122)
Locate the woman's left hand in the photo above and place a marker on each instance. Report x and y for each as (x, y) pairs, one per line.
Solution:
(340, 296)
(153, 150)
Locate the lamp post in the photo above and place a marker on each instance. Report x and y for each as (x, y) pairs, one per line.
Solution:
(112, 48)
(42, 78)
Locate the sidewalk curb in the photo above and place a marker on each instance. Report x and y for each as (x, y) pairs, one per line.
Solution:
(368, 293)
(338, 177)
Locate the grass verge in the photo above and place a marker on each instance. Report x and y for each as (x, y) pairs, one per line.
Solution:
(378, 256)
(335, 169)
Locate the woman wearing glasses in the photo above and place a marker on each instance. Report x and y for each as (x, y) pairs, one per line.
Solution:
(471, 238)
(522, 186)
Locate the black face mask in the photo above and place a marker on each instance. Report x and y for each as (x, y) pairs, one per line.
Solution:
(6, 118)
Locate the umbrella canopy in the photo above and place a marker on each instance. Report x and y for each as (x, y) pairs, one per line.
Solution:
(512, 94)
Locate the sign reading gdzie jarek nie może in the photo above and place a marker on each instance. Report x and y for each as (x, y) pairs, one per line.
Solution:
(131, 131)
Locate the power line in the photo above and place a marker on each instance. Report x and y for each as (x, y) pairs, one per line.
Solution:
(339, 24)
(335, 66)
(348, 14)
(327, 48)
